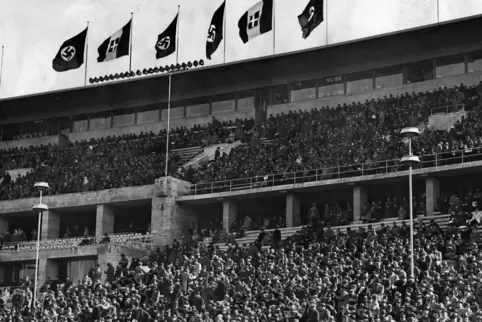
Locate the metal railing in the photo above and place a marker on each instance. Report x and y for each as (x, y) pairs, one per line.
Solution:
(74, 242)
(446, 109)
(336, 172)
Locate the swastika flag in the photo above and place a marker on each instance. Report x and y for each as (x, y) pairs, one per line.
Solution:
(116, 45)
(215, 31)
(166, 41)
(311, 17)
(71, 53)
(256, 21)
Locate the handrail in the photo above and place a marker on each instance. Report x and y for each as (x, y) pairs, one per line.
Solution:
(335, 172)
(447, 109)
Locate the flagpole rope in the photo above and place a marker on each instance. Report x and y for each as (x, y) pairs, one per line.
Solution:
(86, 53)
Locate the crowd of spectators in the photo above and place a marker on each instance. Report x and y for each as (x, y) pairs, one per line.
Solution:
(110, 162)
(345, 137)
(316, 275)
(337, 139)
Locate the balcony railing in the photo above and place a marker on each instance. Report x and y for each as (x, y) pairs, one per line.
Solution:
(336, 172)
(71, 243)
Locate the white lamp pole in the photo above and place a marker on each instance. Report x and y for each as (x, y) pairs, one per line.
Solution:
(410, 160)
(40, 207)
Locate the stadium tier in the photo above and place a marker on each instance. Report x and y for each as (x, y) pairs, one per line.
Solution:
(275, 168)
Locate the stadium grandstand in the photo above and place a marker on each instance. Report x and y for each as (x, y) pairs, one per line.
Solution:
(283, 197)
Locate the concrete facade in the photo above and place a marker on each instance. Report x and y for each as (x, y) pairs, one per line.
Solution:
(72, 200)
(47, 269)
(359, 199)
(432, 193)
(292, 209)
(3, 225)
(169, 219)
(104, 221)
(50, 225)
(229, 214)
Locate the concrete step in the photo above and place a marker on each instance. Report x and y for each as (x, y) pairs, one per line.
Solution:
(250, 236)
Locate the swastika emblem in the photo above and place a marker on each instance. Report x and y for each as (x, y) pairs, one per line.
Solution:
(254, 20)
(113, 45)
(164, 43)
(67, 53)
(312, 13)
(211, 33)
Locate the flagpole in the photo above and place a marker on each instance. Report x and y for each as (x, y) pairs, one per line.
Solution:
(177, 34)
(1, 68)
(274, 26)
(326, 15)
(168, 124)
(438, 11)
(86, 53)
(224, 30)
(130, 40)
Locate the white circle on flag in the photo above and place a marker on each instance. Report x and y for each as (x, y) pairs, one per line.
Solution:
(164, 43)
(211, 33)
(67, 53)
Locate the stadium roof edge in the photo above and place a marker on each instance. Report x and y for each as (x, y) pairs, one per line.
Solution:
(240, 62)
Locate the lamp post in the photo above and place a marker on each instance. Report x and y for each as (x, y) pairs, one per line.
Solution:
(410, 160)
(40, 207)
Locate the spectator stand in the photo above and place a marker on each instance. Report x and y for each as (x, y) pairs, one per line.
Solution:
(339, 172)
(250, 236)
(130, 240)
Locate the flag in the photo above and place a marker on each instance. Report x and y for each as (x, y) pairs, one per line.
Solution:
(215, 31)
(71, 53)
(116, 45)
(311, 17)
(166, 41)
(256, 21)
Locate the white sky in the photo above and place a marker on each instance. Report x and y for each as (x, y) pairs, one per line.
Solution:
(32, 31)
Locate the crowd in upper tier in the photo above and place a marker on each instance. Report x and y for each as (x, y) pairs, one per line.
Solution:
(316, 275)
(298, 141)
(346, 136)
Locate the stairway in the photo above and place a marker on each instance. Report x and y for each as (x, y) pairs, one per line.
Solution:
(187, 154)
(208, 153)
(443, 122)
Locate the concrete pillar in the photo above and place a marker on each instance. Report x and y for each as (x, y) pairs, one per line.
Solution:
(167, 220)
(432, 192)
(47, 268)
(229, 214)
(292, 209)
(359, 199)
(3, 225)
(50, 225)
(104, 221)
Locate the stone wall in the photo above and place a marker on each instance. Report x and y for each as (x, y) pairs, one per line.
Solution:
(80, 199)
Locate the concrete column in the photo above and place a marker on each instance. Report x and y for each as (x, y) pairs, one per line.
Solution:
(432, 192)
(3, 225)
(104, 221)
(168, 220)
(229, 214)
(359, 199)
(292, 209)
(50, 225)
(47, 268)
